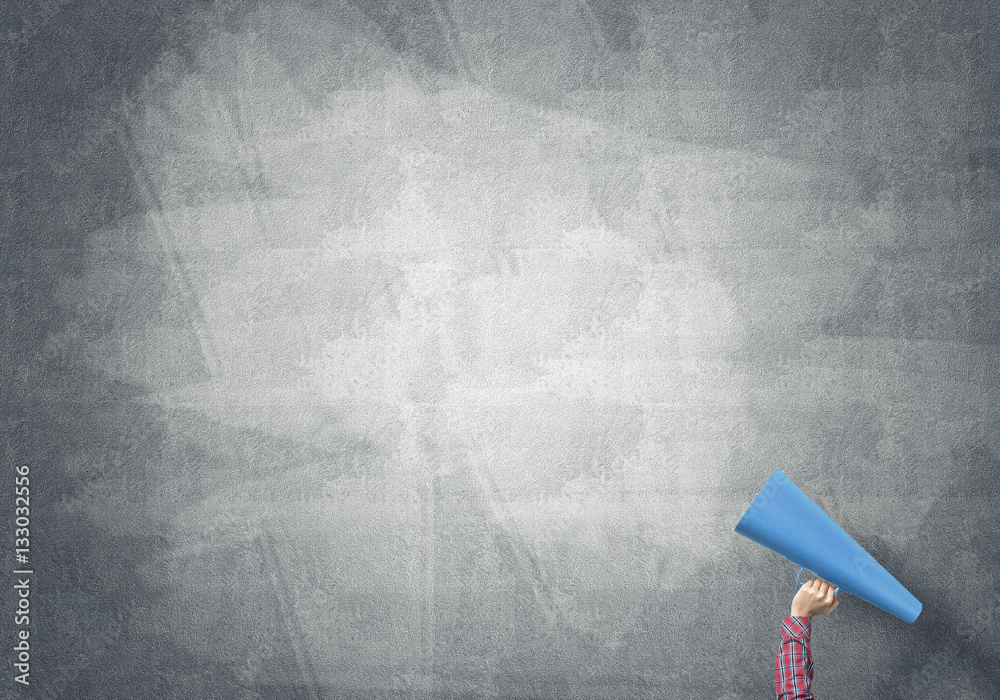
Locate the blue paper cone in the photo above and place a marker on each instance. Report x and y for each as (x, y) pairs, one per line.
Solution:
(785, 520)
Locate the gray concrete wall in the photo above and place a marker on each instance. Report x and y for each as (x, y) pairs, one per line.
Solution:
(433, 349)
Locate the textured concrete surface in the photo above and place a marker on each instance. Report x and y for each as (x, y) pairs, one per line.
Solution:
(432, 349)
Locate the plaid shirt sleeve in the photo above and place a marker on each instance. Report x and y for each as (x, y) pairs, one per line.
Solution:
(793, 668)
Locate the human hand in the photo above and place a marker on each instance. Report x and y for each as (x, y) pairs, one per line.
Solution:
(815, 597)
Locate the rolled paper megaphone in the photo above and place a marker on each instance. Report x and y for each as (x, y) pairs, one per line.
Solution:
(785, 520)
